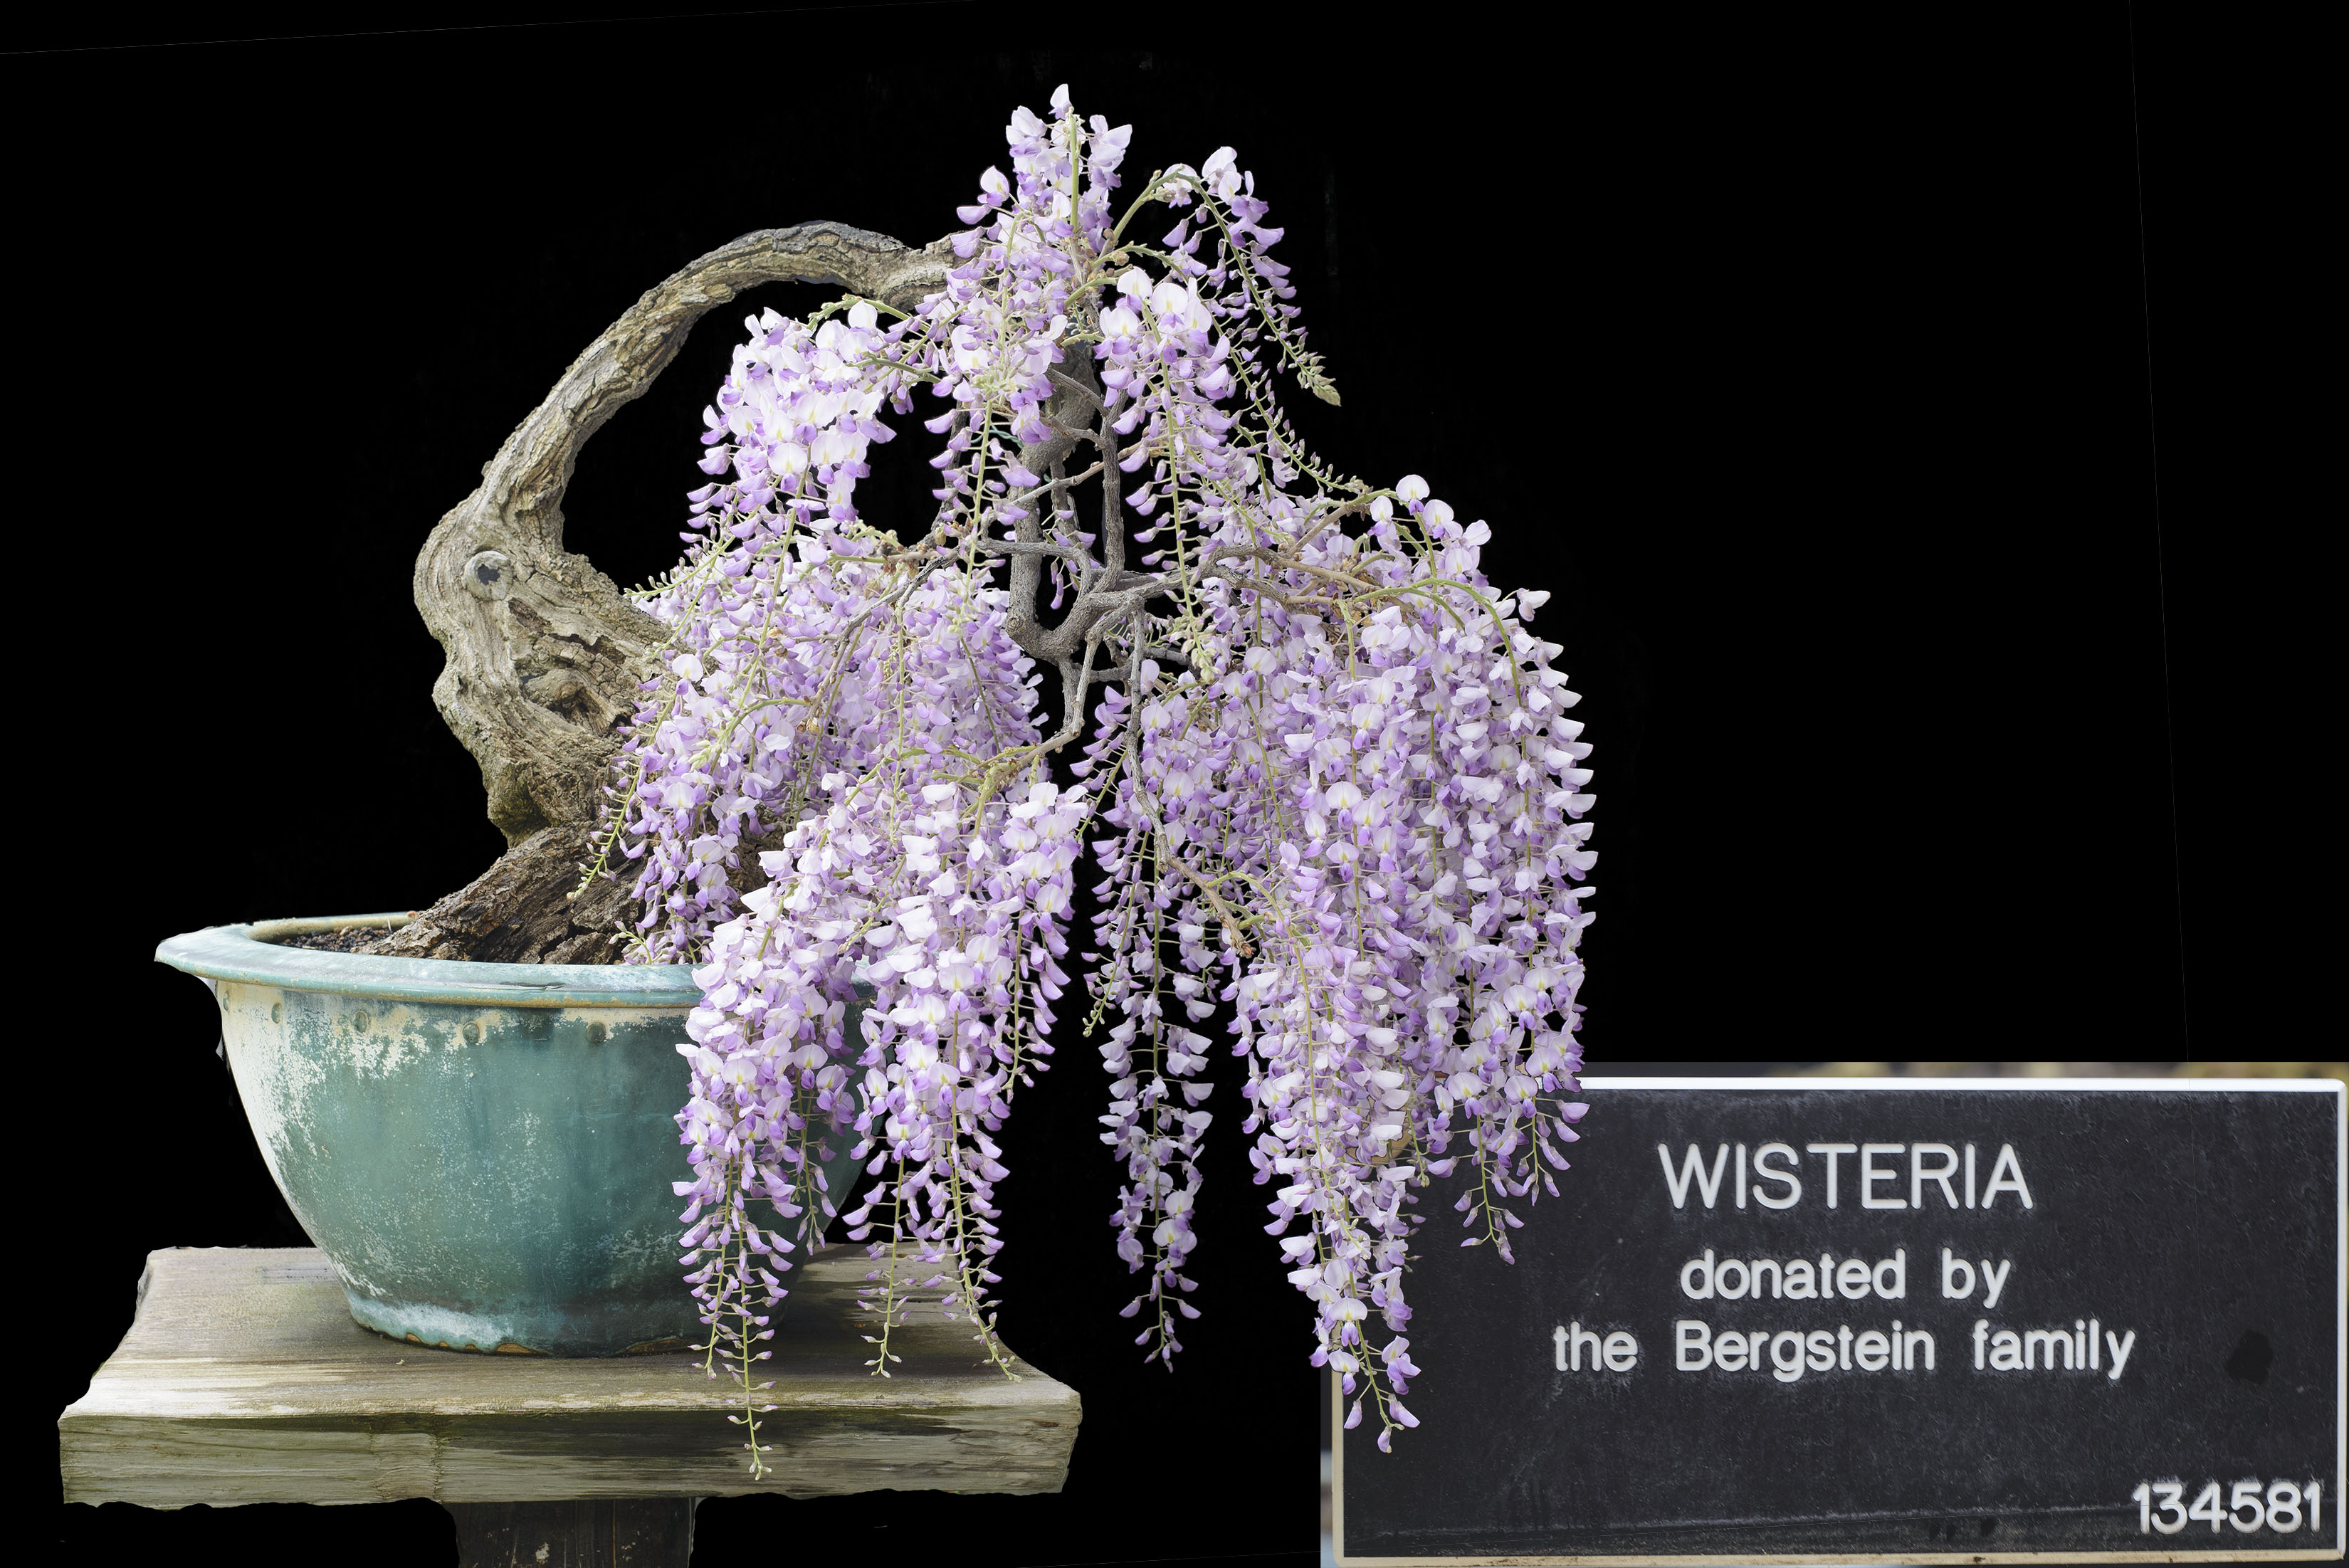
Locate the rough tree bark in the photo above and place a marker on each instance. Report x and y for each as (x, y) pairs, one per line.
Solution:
(544, 656)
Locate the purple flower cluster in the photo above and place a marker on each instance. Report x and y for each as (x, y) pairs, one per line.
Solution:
(1362, 829)
(907, 865)
(1339, 799)
(756, 674)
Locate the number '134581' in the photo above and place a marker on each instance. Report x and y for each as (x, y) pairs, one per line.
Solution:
(2282, 1506)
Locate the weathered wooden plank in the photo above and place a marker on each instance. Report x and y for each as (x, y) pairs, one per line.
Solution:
(243, 1380)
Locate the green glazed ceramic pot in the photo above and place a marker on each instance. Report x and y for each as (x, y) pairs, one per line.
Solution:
(482, 1151)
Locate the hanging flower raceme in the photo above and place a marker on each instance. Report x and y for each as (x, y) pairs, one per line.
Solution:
(1332, 786)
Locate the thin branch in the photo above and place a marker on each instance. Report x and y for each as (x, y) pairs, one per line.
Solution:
(1113, 516)
(1172, 657)
(1092, 400)
(1024, 496)
(1232, 924)
(1256, 584)
(1031, 547)
(1286, 563)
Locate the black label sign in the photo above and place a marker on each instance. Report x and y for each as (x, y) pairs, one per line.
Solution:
(1915, 1321)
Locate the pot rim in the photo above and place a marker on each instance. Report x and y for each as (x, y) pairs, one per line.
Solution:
(249, 954)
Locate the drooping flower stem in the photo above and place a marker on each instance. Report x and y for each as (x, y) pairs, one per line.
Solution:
(1330, 784)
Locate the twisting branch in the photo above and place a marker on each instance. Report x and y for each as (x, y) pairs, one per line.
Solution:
(544, 653)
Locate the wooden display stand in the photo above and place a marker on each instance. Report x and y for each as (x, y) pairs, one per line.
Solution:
(243, 1380)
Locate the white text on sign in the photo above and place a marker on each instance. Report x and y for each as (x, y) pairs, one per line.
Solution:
(1876, 1174)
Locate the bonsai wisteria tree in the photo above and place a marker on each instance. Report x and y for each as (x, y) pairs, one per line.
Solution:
(1324, 771)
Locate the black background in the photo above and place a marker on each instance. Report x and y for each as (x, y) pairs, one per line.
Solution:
(2192, 1220)
(1807, 361)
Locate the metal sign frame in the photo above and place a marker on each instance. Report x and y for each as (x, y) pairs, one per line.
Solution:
(2154, 1550)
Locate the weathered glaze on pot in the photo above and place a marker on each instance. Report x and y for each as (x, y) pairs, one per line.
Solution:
(484, 1151)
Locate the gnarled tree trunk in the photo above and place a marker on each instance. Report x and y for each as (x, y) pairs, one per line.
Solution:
(544, 656)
